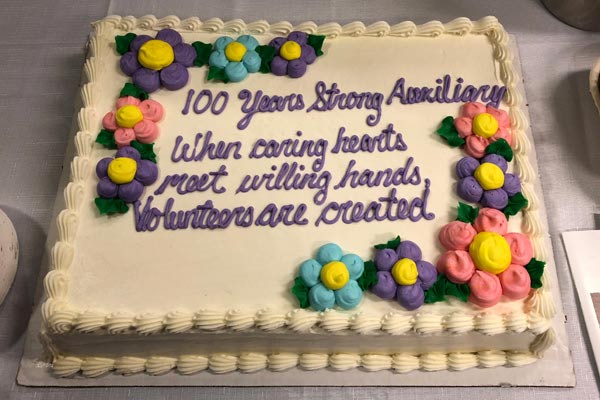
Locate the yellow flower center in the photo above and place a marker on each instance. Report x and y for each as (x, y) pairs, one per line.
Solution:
(405, 272)
(156, 54)
(122, 170)
(129, 115)
(290, 50)
(335, 275)
(490, 252)
(485, 125)
(235, 51)
(489, 176)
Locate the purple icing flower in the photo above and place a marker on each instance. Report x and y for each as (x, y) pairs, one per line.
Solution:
(485, 181)
(160, 61)
(403, 275)
(292, 55)
(125, 175)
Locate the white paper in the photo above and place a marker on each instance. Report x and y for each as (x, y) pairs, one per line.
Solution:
(582, 252)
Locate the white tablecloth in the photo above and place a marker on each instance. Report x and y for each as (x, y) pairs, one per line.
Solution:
(41, 56)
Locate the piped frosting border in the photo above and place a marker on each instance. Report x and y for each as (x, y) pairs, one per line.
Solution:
(59, 317)
(92, 367)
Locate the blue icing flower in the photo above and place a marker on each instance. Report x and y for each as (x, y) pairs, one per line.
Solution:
(237, 58)
(332, 278)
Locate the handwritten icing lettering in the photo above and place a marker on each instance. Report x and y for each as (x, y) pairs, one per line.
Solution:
(203, 216)
(492, 95)
(216, 105)
(194, 183)
(290, 176)
(207, 216)
(261, 103)
(272, 215)
(332, 98)
(219, 150)
(387, 140)
(263, 148)
(390, 208)
(406, 175)
(288, 159)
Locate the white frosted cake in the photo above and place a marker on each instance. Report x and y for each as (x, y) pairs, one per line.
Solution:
(249, 196)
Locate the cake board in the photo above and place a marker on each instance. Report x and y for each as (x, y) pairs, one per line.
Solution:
(555, 369)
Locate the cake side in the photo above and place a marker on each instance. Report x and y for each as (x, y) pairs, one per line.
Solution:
(533, 315)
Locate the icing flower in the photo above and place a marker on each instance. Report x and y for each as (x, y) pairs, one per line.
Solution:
(292, 55)
(485, 181)
(331, 278)
(236, 58)
(480, 125)
(124, 176)
(133, 120)
(403, 275)
(486, 257)
(159, 61)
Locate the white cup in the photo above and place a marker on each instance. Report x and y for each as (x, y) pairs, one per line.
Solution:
(9, 254)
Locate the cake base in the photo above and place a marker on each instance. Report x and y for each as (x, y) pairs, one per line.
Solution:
(549, 371)
(554, 370)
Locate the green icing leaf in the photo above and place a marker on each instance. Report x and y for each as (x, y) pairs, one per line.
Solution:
(106, 139)
(443, 287)
(535, 268)
(300, 290)
(448, 131)
(460, 291)
(203, 51)
(391, 244)
(266, 53)
(437, 291)
(466, 213)
(123, 42)
(368, 278)
(502, 148)
(131, 90)
(217, 74)
(316, 42)
(146, 150)
(515, 204)
(111, 206)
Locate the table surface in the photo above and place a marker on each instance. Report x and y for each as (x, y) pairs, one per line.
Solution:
(41, 57)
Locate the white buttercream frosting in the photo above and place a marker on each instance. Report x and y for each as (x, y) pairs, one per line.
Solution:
(62, 317)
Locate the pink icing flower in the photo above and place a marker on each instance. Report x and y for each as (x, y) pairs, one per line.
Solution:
(134, 119)
(486, 257)
(480, 125)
